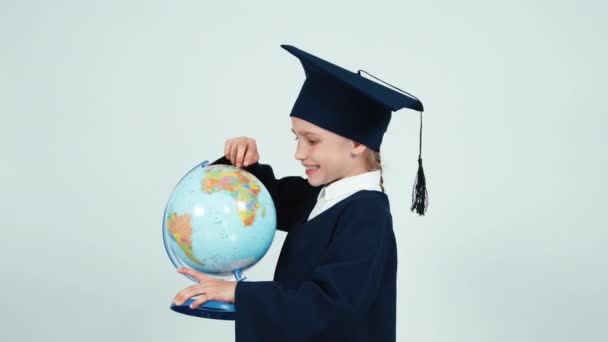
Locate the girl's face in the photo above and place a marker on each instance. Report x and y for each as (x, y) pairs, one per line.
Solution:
(332, 156)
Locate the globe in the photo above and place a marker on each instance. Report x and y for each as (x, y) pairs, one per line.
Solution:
(219, 220)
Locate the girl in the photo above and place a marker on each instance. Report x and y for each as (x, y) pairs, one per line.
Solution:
(336, 277)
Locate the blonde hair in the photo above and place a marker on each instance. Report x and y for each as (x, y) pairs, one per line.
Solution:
(374, 163)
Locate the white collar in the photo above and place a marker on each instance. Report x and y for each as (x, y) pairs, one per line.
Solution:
(365, 181)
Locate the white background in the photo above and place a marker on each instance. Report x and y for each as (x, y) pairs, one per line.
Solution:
(105, 105)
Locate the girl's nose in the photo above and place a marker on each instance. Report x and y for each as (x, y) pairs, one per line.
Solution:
(300, 153)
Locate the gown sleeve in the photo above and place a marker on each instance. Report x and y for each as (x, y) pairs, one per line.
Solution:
(293, 196)
(341, 290)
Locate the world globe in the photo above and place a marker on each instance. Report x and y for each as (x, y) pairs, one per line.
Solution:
(219, 220)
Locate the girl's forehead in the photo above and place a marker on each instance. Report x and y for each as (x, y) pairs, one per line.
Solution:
(304, 127)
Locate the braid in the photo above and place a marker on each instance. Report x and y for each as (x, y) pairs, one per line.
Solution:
(380, 167)
(376, 164)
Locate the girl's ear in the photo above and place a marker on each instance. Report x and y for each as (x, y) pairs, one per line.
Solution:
(358, 148)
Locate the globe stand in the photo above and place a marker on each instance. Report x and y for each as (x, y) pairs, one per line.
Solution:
(210, 309)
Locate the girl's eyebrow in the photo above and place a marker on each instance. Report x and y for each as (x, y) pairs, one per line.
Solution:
(304, 133)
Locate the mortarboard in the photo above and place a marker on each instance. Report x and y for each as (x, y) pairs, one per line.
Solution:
(354, 107)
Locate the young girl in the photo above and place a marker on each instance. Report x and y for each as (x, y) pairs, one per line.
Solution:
(336, 277)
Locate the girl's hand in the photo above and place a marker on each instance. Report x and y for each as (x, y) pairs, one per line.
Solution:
(208, 288)
(241, 151)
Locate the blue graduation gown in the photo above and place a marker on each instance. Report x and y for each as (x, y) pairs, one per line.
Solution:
(336, 277)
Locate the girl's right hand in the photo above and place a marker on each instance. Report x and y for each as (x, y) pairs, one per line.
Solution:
(241, 151)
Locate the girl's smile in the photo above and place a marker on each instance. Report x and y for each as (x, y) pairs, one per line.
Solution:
(311, 169)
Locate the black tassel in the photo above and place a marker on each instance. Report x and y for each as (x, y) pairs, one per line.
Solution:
(420, 199)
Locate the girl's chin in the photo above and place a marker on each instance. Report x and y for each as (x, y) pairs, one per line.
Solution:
(313, 182)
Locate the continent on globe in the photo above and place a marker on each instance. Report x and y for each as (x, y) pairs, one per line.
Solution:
(240, 185)
(181, 230)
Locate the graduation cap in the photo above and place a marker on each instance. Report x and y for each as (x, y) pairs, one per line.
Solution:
(354, 107)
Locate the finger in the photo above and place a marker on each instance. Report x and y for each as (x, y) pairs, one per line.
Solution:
(227, 148)
(250, 156)
(188, 289)
(240, 153)
(187, 293)
(233, 149)
(182, 295)
(200, 300)
(193, 273)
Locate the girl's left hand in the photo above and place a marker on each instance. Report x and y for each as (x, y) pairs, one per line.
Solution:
(208, 288)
